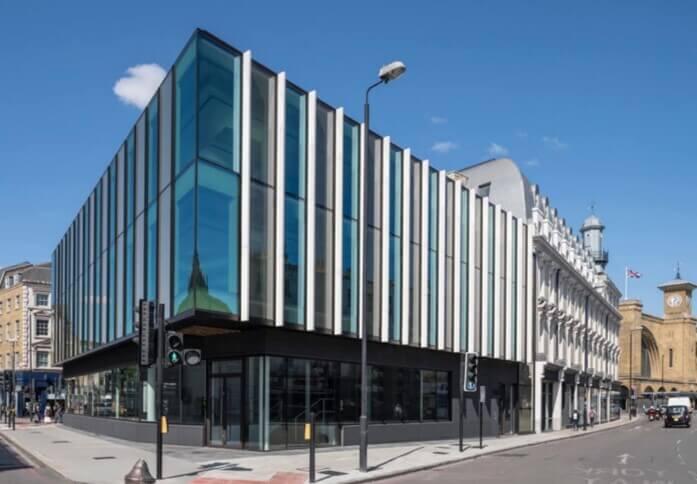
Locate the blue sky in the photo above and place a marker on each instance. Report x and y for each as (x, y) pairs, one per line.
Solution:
(597, 101)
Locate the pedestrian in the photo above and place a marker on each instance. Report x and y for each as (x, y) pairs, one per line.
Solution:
(59, 413)
(574, 419)
(591, 416)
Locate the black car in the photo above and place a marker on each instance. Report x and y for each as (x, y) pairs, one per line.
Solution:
(677, 415)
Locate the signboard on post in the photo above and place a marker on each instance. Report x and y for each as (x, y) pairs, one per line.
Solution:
(146, 336)
(482, 394)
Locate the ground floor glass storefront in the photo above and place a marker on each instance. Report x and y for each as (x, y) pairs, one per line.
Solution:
(263, 402)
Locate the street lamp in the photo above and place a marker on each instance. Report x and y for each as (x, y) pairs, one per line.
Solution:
(631, 367)
(388, 72)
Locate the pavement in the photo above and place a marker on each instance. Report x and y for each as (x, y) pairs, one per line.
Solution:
(87, 458)
(16, 468)
(641, 453)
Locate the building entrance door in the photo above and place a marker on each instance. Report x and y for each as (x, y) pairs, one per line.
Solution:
(226, 411)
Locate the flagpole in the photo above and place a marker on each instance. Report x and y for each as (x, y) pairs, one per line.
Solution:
(626, 283)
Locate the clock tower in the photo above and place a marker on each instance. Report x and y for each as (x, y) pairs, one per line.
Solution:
(677, 297)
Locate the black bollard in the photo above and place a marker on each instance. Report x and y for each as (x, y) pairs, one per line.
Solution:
(312, 446)
(140, 474)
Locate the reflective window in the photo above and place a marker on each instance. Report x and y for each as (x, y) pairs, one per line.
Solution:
(294, 226)
(415, 295)
(394, 311)
(349, 287)
(263, 144)
(218, 105)
(130, 177)
(350, 172)
(296, 106)
(324, 287)
(184, 243)
(151, 253)
(450, 225)
(433, 258)
(373, 284)
(185, 109)
(373, 187)
(294, 260)
(215, 269)
(128, 287)
(152, 152)
(324, 156)
(261, 252)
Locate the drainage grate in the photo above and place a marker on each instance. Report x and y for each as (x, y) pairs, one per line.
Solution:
(105, 457)
(510, 455)
(441, 453)
(61, 442)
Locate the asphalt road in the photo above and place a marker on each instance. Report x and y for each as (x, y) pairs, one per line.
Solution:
(14, 468)
(638, 453)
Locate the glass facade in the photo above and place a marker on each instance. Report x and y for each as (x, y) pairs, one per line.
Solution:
(164, 222)
(266, 400)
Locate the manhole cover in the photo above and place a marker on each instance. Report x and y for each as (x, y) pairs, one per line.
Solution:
(105, 457)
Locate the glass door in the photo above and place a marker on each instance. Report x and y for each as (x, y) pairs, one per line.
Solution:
(226, 411)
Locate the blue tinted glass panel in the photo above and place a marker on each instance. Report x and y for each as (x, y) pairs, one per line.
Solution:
(351, 147)
(218, 105)
(433, 210)
(128, 287)
(111, 328)
(295, 142)
(216, 280)
(395, 191)
(185, 109)
(151, 253)
(152, 152)
(263, 126)
(324, 250)
(130, 177)
(184, 260)
(261, 252)
(432, 297)
(514, 288)
(394, 311)
(349, 280)
(294, 260)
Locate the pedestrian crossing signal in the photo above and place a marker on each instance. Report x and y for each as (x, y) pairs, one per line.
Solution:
(471, 372)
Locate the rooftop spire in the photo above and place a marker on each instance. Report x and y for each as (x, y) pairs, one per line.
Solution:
(677, 271)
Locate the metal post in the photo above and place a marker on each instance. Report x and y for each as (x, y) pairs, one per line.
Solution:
(312, 446)
(363, 452)
(631, 391)
(159, 317)
(585, 365)
(462, 422)
(663, 359)
(481, 424)
(31, 368)
(14, 384)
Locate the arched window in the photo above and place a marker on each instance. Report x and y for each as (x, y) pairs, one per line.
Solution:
(645, 357)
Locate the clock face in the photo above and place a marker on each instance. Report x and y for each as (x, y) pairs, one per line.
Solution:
(674, 301)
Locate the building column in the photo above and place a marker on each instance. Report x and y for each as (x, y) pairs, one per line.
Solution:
(537, 398)
(556, 410)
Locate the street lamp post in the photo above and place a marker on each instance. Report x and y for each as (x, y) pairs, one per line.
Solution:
(389, 72)
(663, 359)
(631, 368)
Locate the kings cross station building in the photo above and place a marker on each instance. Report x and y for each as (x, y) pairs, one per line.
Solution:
(244, 205)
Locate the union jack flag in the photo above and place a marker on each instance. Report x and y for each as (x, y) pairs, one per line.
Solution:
(633, 274)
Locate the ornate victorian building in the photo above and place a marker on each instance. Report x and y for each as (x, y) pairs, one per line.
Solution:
(660, 353)
(573, 347)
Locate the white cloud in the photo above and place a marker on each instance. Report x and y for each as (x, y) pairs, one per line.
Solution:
(139, 85)
(554, 143)
(444, 147)
(496, 150)
(437, 120)
(532, 162)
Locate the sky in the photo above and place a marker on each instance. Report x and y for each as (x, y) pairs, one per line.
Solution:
(596, 101)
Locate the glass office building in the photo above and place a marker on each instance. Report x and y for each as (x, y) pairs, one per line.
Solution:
(235, 201)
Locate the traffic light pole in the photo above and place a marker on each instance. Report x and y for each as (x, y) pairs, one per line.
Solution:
(159, 317)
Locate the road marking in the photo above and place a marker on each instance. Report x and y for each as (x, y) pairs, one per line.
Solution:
(682, 461)
(624, 458)
(678, 442)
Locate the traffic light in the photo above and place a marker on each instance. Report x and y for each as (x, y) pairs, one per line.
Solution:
(175, 343)
(471, 372)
